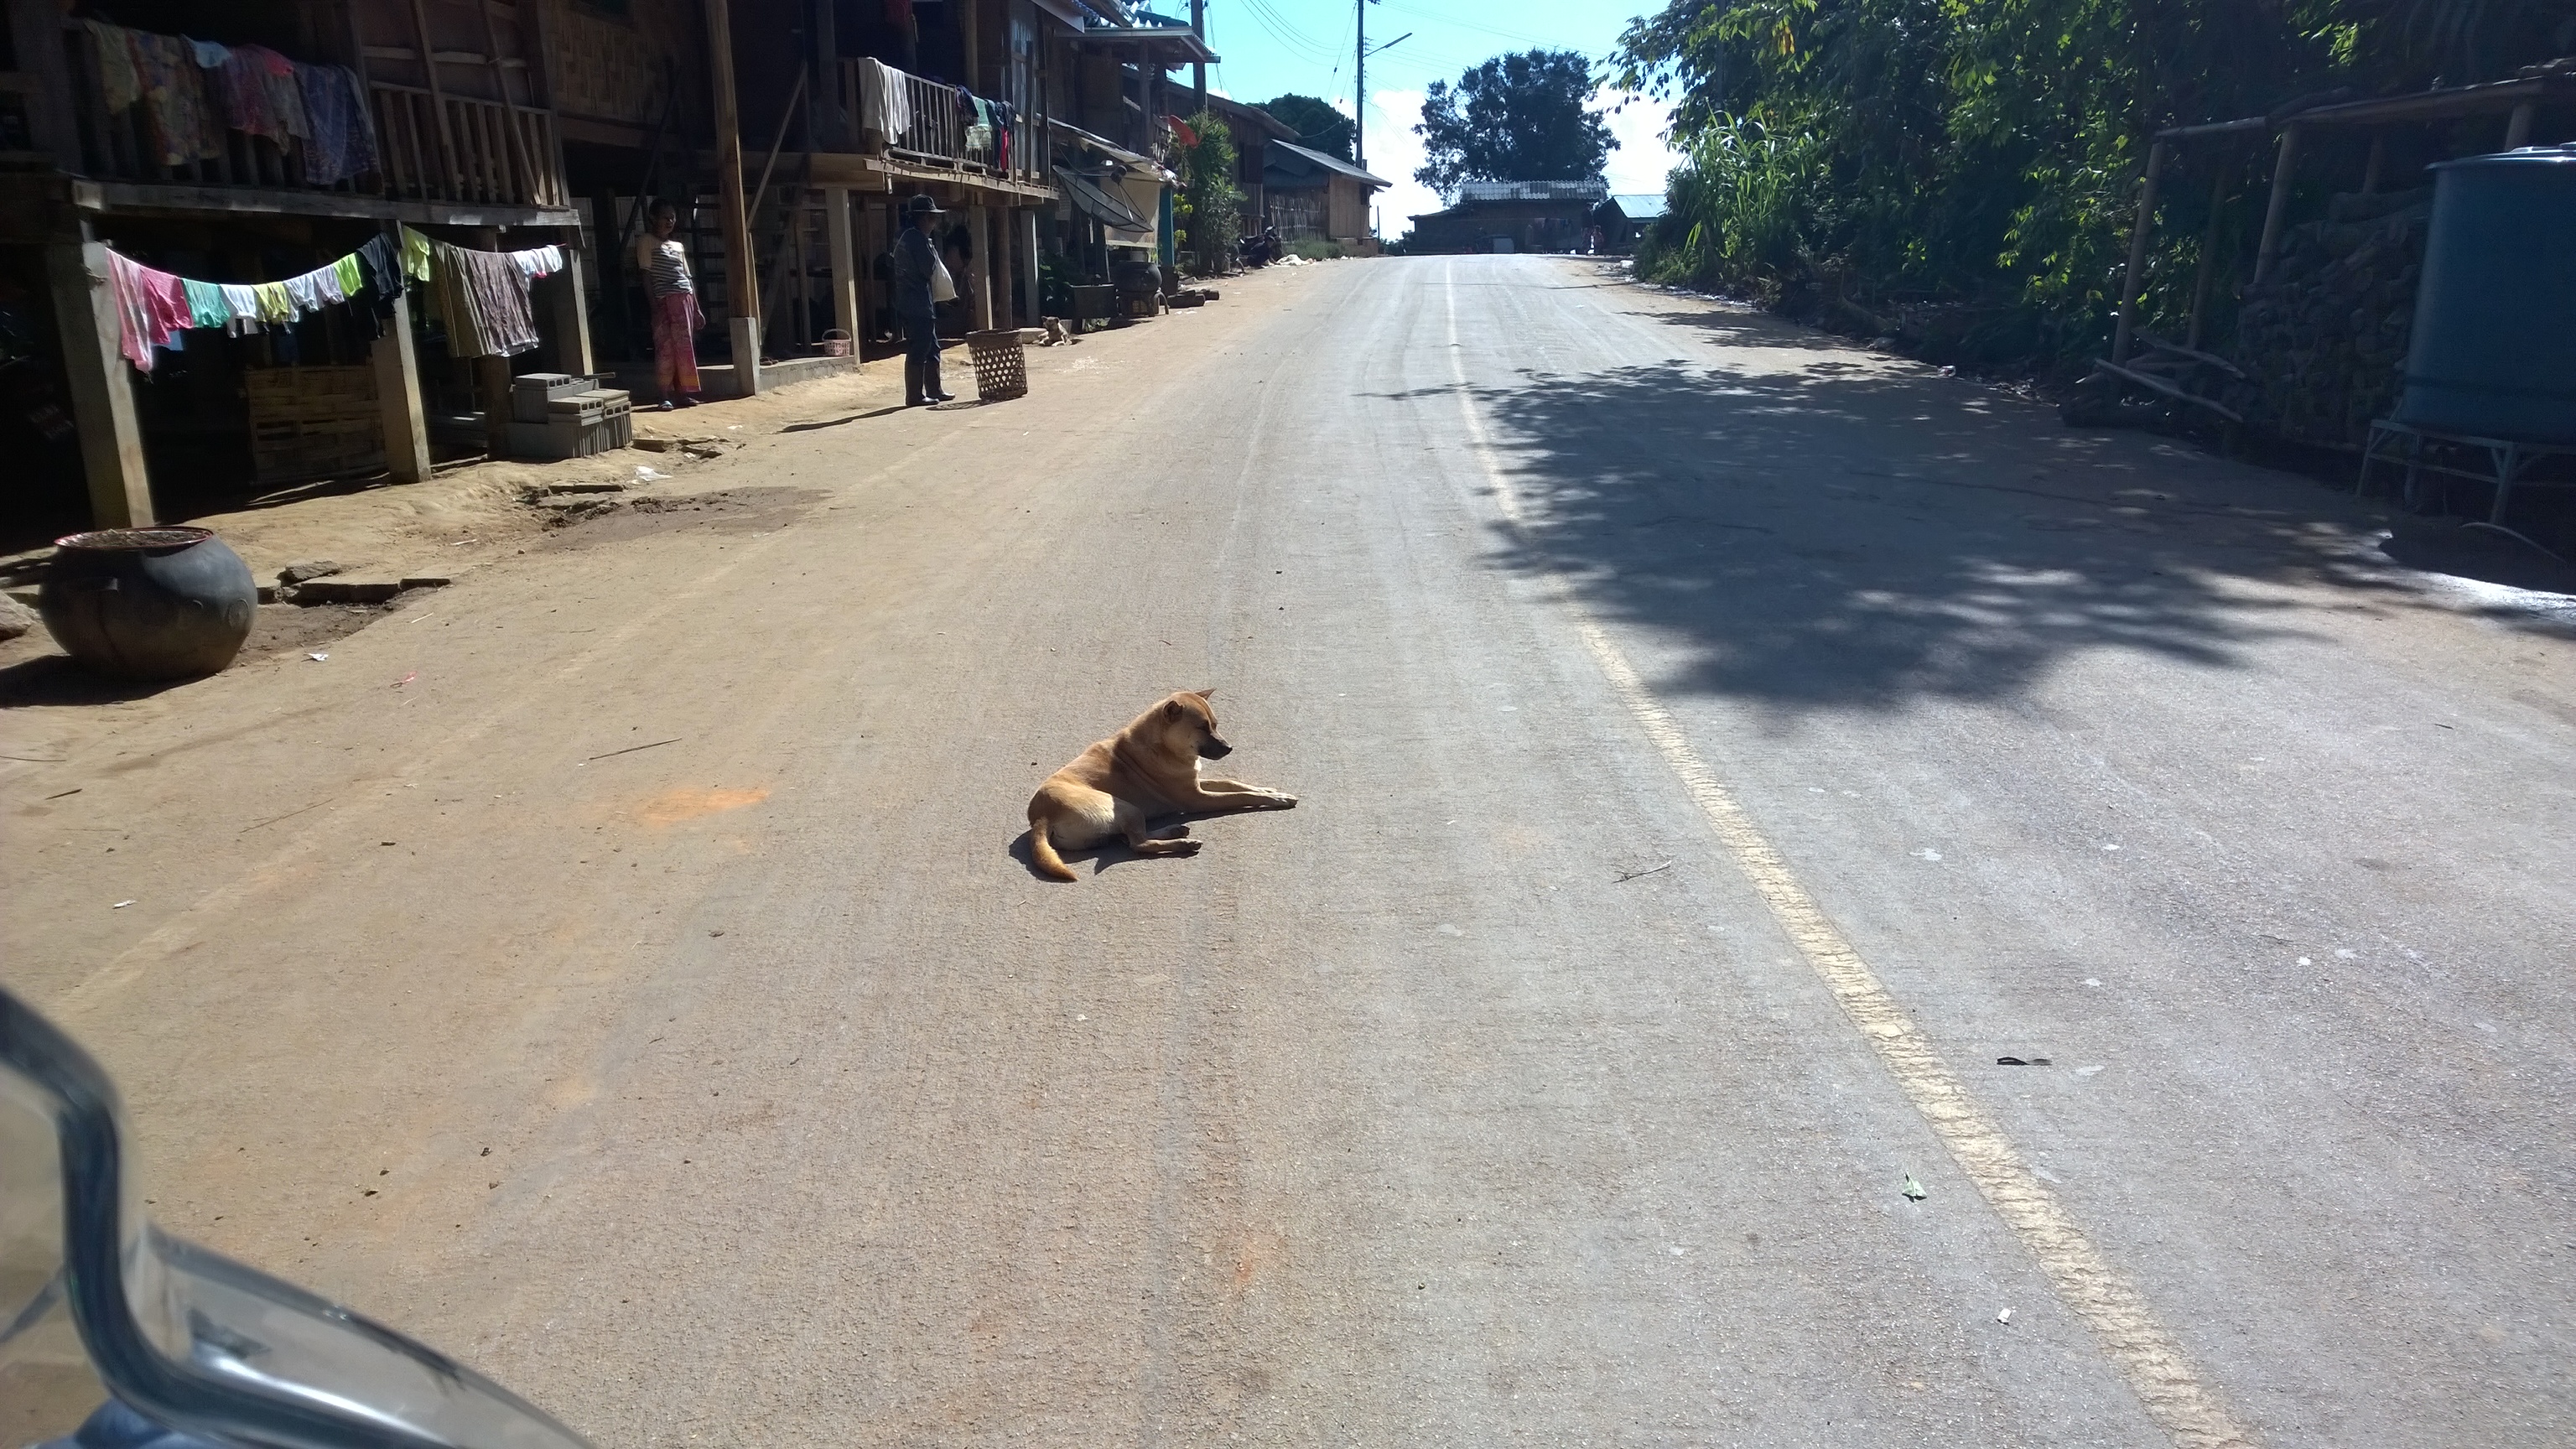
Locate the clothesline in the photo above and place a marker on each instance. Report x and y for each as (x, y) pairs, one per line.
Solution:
(483, 295)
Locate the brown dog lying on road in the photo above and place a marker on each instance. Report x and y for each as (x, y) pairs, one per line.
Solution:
(1149, 768)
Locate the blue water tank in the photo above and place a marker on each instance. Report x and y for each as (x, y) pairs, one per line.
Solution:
(2493, 353)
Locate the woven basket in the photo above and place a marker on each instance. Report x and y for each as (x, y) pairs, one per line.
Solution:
(1001, 366)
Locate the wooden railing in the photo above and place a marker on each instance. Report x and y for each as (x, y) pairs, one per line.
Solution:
(939, 132)
(486, 152)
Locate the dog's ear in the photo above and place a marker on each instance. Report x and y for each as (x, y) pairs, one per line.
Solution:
(1171, 709)
(1208, 693)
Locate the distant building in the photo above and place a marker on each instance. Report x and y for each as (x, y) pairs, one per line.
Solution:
(1253, 130)
(1624, 219)
(1316, 197)
(1512, 216)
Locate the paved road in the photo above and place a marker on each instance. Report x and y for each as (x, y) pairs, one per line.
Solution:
(1718, 748)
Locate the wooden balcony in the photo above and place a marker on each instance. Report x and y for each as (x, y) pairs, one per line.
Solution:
(940, 134)
(472, 151)
(454, 150)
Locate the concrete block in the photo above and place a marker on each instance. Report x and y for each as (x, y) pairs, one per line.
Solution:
(347, 591)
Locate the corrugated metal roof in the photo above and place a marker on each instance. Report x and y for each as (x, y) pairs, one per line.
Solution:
(1532, 191)
(1640, 206)
(1331, 163)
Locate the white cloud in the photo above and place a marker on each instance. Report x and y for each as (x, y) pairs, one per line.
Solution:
(1638, 123)
(1395, 153)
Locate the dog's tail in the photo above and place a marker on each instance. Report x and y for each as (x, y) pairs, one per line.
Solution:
(1042, 850)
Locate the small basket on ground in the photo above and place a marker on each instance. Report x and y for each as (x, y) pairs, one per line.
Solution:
(1001, 366)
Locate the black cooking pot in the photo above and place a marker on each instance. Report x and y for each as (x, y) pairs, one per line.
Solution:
(148, 603)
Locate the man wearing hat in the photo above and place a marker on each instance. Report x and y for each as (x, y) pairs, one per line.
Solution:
(916, 265)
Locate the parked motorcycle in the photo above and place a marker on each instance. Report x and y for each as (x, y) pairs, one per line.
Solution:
(115, 1335)
(1259, 251)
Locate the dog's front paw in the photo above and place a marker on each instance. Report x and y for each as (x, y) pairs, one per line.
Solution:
(1282, 800)
(1185, 847)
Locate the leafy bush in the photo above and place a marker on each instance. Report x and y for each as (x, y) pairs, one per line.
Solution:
(1208, 191)
(1975, 162)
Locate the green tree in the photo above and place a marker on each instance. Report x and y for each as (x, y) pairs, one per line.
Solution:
(1210, 203)
(1319, 126)
(1855, 153)
(1519, 117)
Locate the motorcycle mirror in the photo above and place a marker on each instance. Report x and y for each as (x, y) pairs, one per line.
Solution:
(121, 1335)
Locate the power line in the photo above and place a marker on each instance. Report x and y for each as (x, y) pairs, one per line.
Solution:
(1520, 35)
(1303, 46)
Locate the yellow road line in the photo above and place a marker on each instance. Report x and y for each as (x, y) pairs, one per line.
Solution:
(2104, 1299)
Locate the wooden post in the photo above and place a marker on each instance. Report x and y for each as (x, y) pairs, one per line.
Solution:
(2136, 274)
(397, 366)
(2208, 253)
(2285, 163)
(571, 304)
(1004, 313)
(970, 25)
(2517, 130)
(826, 83)
(978, 226)
(845, 266)
(36, 35)
(111, 440)
(1028, 259)
(742, 287)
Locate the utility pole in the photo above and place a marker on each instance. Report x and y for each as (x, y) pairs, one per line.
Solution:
(1198, 68)
(1359, 83)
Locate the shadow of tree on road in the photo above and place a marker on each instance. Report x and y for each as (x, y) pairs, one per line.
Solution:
(1857, 537)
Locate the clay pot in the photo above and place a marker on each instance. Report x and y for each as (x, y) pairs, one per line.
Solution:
(148, 603)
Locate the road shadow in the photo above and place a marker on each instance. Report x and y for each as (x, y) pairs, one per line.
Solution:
(1864, 536)
(885, 412)
(58, 679)
(1099, 857)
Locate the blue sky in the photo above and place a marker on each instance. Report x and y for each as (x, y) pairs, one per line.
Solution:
(1273, 46)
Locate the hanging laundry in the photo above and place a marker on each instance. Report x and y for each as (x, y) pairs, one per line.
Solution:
(210, 56)
(183, 127)
(206, 305)
(326, 281)
(150, 306)
(261, 96)
(384, 263)
(352, 278)
(243, 303)
(335, 112)
(484, 297)
(381, 266)
(118, 83)
(133, 313)
(274, 303)
(415, 255)
(305, 292)
(885, 105)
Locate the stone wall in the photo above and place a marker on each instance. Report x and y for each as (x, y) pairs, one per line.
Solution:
(2323, 338)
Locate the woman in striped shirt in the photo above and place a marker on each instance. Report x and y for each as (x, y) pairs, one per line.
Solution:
(674, 301)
